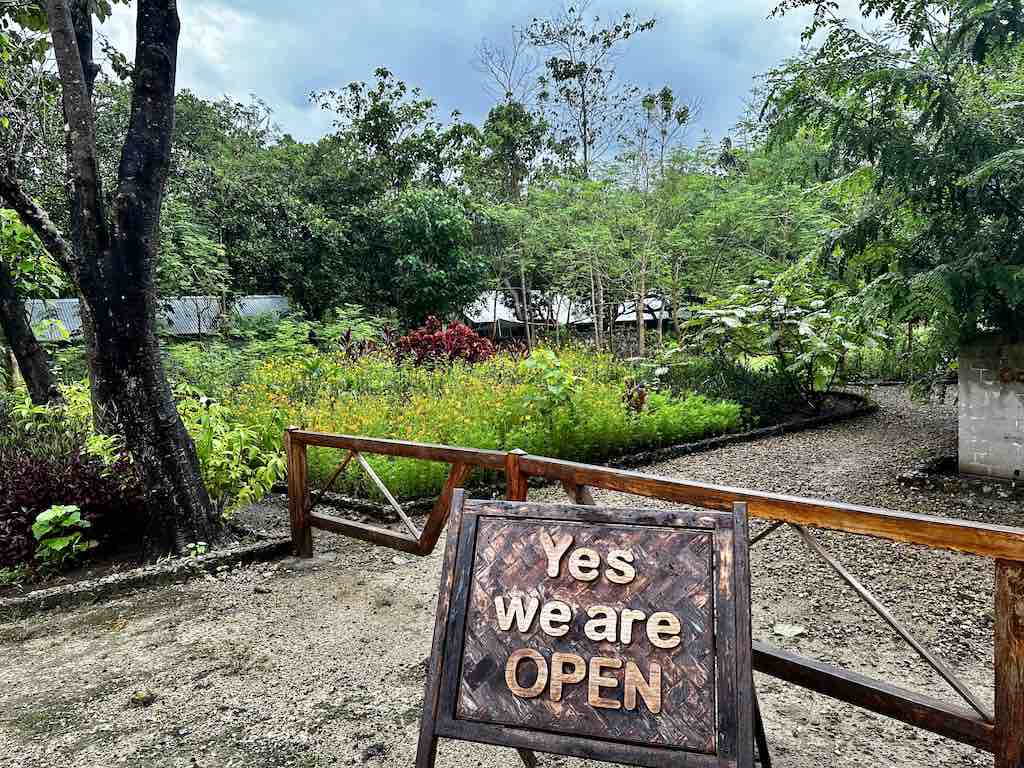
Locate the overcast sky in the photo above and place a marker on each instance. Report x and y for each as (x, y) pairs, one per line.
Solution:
(709, 51)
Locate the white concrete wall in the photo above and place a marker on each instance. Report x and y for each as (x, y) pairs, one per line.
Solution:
(992, 410)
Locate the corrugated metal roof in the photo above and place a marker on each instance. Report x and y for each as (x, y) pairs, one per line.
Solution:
(59, 319)
(491, 307)
(54, 319)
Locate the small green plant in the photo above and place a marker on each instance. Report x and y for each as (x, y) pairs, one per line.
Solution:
(552, 384)
(197, 548)
(14, 575)
(808, 328)
(60, 533)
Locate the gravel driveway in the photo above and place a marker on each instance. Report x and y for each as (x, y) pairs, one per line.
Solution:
(321, 663)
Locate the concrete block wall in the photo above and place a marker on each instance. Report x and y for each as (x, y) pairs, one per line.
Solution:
(991, 402)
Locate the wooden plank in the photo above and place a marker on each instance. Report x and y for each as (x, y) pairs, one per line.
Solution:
(371, 533)
(652, 516)
(958, 535)
(515, 481)
(439, 514)
(387, 495)
(298, 495)
(949, 720)
(764, 755)
(1009, 664)
(330, 483)
(410, 450)
(585, 748)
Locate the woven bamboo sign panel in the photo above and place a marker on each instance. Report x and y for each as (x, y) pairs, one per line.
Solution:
(605, 633)
(633, 660)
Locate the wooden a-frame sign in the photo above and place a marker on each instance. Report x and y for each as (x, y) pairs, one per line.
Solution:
(610, 634)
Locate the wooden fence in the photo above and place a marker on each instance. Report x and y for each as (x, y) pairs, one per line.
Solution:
(1001, 732)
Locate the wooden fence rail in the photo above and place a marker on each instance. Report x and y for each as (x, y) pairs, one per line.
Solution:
(1002, 735)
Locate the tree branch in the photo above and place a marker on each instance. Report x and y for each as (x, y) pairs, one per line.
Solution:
(36, 219)
(88, 214)
(146, 156)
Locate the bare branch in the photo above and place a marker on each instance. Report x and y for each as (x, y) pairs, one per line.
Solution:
(510, 73)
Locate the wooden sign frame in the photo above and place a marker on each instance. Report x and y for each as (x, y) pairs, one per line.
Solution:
(734, 704)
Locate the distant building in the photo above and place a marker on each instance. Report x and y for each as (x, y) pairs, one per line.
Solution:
(493, 314)
(183, 316)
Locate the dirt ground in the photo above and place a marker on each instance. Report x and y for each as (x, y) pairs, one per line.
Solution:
(322, 662)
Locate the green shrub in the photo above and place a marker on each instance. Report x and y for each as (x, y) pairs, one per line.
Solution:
(60, 531)
(16, 575)
(239, 464)
(765, 394)
(918, 359)
(801, 320)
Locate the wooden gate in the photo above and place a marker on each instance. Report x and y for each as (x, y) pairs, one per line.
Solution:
(1000, 732)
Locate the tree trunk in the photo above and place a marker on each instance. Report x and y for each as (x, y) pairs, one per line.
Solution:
(910, 350)
(7, 367)
(675, 299)
(114, 261)
(133, 399)
(494, 317)
(613, 316)
(31, 357)
(517, 299)
(661, 319)
(526, 301)
(641, 323)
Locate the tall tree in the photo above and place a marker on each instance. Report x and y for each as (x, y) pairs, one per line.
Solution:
(512, 139)
(510, 72)
(929, 113)
(581, 85)
(111, 256)
(27, 351)
(659, 123)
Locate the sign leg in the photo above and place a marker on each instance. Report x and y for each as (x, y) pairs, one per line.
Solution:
(426, 754)
(529, 759)
(764, 756)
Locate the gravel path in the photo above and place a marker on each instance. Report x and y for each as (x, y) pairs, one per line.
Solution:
(321, 663)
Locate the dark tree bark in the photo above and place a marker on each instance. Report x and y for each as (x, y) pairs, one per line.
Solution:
(32, 361)
(112, 262)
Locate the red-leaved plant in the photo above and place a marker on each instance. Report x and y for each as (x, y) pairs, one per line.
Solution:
(433, 344)
(31, 484)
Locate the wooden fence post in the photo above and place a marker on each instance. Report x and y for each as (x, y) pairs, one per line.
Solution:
(1009, 664)
(298, 495)
(515, 480)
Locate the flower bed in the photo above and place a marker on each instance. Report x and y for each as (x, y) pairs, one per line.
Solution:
(577, 405)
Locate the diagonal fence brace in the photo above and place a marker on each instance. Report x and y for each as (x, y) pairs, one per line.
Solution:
(925, 653)
(330, 483)
(387, 495)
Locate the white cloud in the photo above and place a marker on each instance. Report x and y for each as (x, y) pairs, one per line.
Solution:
(282, 51)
